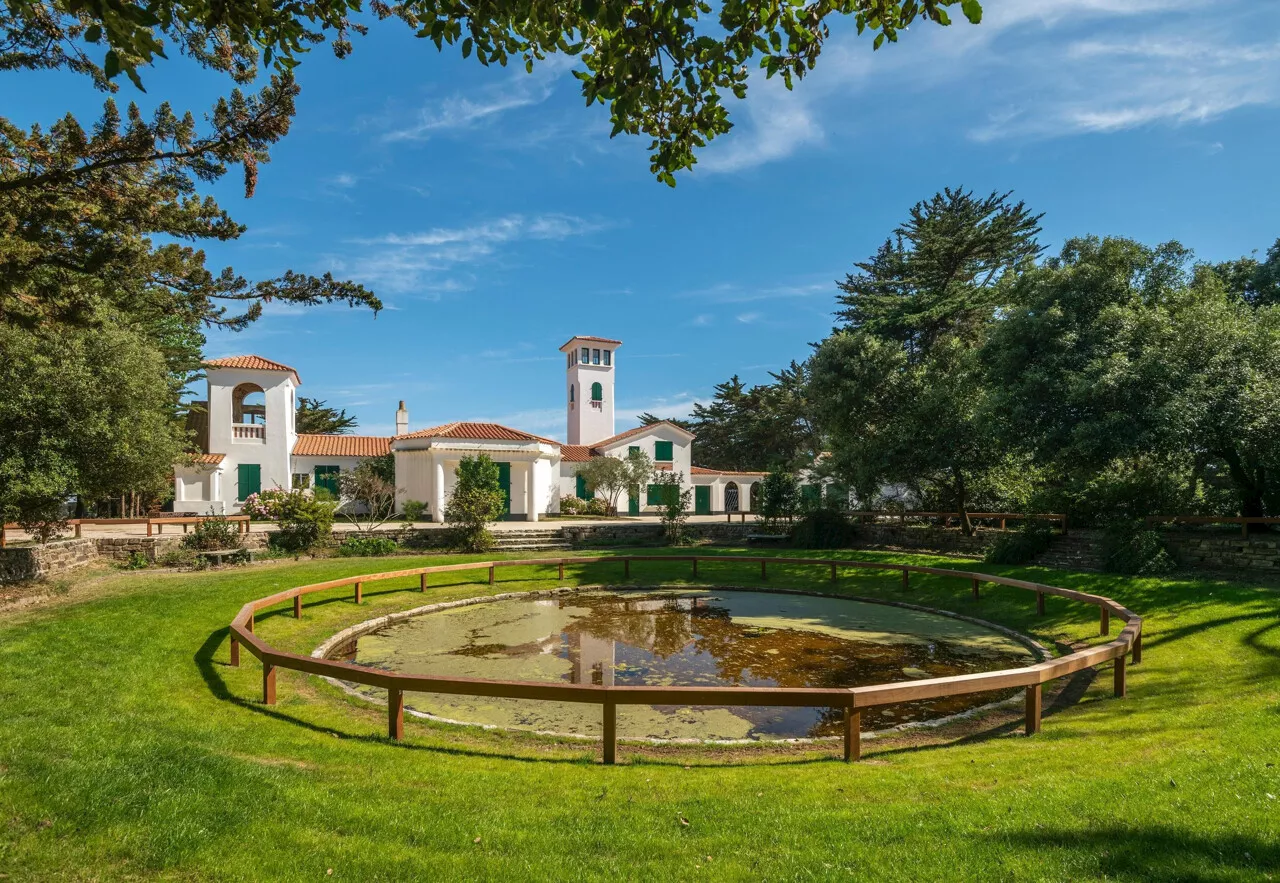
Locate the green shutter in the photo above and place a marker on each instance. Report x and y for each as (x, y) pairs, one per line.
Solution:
(248, 480)
(597, 392)
(811, 493)
(633, 503)
(702, 501)
(654, 495)
(633, 449)
(327, 478)
(504, 483)
(662, 452)
(583, 493)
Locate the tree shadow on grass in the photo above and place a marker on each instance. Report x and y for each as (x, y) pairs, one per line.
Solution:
(1156, 852)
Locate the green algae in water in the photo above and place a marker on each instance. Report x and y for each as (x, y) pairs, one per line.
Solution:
(686, 638)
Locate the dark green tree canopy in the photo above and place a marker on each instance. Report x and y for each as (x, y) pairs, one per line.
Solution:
(315, 416)
(663, 68)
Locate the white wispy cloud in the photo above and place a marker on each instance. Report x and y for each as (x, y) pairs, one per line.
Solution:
(484, 105)
(428, 262)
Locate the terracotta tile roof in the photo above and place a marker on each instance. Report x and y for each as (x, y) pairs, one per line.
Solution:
(589, 337)
(320, 445)
(702, 470)
(478, 432)
(207, 459)
(257, 363)
(576, 453)
(638, 431)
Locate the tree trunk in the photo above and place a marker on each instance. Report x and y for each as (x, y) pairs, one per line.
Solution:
(962, 504)
(1251, 486)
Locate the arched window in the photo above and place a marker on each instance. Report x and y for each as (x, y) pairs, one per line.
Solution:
(248, 404)
(597, 392)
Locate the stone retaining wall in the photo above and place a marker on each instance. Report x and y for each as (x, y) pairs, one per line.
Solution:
(1191, 549)
(19, 563)
(923, 538)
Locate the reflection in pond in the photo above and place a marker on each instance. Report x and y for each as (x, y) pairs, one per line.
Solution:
(685, 638)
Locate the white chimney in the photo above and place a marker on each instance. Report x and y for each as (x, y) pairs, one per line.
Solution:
(402, 420)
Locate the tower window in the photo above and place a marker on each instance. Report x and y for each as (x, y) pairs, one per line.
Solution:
(662, 452)
(586, 356)
(607, 354)
(597, 392)
(570, 392)
(595, 357)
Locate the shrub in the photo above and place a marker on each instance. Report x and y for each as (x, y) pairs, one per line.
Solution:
(477, 499)
(570, 505)
(1129, 547)
(779, 497)
(415, 510)
(213, 534)
(45, 519)
(595, 506)
(1021, 546)
(367, 547)
(267, 504)
(179, 558)
(305, 522)
(823, 528)
(136, 561)
(674, 509)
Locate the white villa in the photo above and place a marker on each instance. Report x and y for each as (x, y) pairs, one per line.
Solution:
(248, 442)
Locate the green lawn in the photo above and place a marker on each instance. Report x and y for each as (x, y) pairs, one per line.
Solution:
(129, 749)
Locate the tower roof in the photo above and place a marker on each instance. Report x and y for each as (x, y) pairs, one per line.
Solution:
(253, 363)
(568, 344)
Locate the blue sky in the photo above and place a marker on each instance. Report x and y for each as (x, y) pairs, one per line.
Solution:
(494, 216)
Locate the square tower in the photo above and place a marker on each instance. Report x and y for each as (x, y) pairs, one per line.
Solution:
(589, 364)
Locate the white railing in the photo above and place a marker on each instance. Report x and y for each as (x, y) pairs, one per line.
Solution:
(248, 432)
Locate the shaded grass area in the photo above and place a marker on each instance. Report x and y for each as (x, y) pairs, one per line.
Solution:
(129, 749)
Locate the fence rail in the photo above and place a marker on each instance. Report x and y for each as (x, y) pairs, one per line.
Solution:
(851, 699)
(1244, 522)
(158, 523)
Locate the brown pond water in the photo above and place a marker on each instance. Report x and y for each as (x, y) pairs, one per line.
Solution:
(685, 638)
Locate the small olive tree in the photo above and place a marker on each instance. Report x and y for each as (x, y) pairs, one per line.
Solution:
(779, 498)
(673, 511)
(368, 485)
(476, 500)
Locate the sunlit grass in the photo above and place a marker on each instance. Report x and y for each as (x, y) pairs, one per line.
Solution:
(130, 749)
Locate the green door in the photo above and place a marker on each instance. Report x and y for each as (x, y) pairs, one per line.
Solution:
(504, 482)
(702, 501)
(248, 480)
(583, 493)
(633, 502)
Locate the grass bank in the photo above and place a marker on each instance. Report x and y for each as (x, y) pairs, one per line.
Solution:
(129, 749)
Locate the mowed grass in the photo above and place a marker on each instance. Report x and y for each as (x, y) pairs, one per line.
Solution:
(130, 749)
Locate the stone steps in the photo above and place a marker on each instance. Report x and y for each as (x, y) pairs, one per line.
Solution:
(1080, 550)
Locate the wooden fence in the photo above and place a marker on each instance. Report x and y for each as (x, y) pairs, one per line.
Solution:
(851, 699)
(157, 523)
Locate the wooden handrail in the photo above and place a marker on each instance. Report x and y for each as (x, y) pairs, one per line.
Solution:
(852, 699)
(242, 523)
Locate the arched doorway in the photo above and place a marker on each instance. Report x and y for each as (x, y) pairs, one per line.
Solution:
(731, 497)
(249, 405)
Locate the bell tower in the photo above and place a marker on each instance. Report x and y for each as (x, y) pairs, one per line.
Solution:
(589, 366)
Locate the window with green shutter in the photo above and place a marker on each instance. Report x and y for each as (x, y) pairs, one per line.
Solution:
(633, 449)
(248, 480)
(327, 478)
(662, 452)
(654, 495)
(583, 493)
(597, 392)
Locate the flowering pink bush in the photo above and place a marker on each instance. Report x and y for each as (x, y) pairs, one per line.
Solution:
(269, 503)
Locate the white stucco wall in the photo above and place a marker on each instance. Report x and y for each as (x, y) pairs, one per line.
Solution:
(273, 453)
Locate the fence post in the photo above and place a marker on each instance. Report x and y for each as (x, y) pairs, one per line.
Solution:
(249, 624)
(562, 570)
(610, 751)
(359, 593)
(268, 683)
(297, 607)
(626, 568)
(1120, 687)
(148, 527)
(764, 569)
(833, 573)
(422, 582)
(235, 652)
(1137, 648)
(975, 590)
(1104, 627)
(695, 566)
(906, 579)
(77, 530)
(491, 568)
(852, 734)
(1035, 705)
(1244, 528)
(395, 714)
